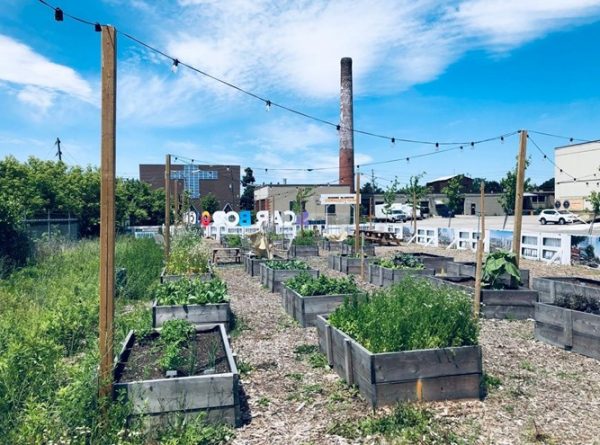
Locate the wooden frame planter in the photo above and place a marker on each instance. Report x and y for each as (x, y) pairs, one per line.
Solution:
(515, 304)
(160, 400)
(305, 309)
(552, 287)
(369, 249)
(387, 378)
(330, 246)
(351, 265)
(468, 269)
(164, 277)
(334, 262)
(572, 330)
(198, 314)
(252, 264)
(382, 276)
(273, 278)
(303, 251)
(431, 261)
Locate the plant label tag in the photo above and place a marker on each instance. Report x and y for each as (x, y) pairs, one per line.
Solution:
(172, 373)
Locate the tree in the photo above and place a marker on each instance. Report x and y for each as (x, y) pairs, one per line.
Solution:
(547, 186)
(209, 203)
(454, 193)
(509, 189)
(490, 186)
(389, 196)
(594, 200)
(370, 189)
(299, 204)
(415, 192)
(247, 199)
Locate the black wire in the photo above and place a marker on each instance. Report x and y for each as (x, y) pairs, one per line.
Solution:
(571, 139)
(547, 158)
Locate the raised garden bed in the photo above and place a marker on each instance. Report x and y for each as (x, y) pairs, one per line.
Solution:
(551, 288)
(304, 297)
(303, 251)
(431, 261)
(334, 262)
(569, 329)
(386, 378)
(383, 276)
(211, 386)
(273, 279)
(344, 248)
(252, 264)
(351, 265)
(515, 304)
(198, 314)
(469, 269)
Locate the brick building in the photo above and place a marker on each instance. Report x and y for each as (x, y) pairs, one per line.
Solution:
(223, 181)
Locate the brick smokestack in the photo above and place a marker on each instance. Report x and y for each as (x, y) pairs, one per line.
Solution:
(347, 125)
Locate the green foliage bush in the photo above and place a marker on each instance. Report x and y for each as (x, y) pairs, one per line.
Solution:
(189, 255)
(498, 264)
(305, 238)
(233, 240)
(412, 314)
(287, 265)
(193, 291)
(580, 303)
(401, 261)
(307, 285)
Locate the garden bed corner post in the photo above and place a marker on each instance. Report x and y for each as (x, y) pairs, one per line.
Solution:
(107, 210)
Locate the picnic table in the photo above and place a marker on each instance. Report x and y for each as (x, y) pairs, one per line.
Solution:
(229, 253)
(379, 237)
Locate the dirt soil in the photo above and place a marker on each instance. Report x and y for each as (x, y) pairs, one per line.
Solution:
(205, 352)
(546, 395)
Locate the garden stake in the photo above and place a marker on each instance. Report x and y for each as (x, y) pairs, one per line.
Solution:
(516, 244)
(477, 299)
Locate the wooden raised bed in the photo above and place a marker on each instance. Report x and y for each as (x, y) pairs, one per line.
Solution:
(469, 269)
(572, 330)
(387, 378)
(431, 261)
(303, 251)
(334, 262)
(164, 276)
(552, 287)
(347, 249)
(305, 309)
(515, 304)
(382, 276)
(198, 314)
(273, 278)
(351, 265)
(163, 400)
(252, 264)
(330, 246)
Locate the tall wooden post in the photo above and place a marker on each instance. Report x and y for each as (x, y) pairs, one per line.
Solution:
(107, 209)
(520, 189)
(480, 246)
(167, 234)
(178, 216)
(357, 215)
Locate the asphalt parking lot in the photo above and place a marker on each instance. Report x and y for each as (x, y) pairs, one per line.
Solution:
(530, 224)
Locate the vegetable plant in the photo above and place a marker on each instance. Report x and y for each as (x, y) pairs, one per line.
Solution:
(401, 261)
(412, 314)
(496, 265)
(305, 238)
(175, 335)
(191, 292)
(287, 265)
(307, 285)
(189, 255)
(233, 240)
(580, 303)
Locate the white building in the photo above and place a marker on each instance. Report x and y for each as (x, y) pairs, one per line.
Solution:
(576, 174)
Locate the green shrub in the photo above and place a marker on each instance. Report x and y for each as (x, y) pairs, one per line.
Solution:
(233, 240)
(401, 261)
(287, 265)
(580, 303)
(188, 291)
(305, 238)
(142, 260)
(412, 314)
(189, 255)
(307, 285)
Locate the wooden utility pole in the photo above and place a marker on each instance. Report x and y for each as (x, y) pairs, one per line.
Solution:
(107, 209)
(357, 215)
(480, 246)
(520, 189)
(167, 233)
(178, 216)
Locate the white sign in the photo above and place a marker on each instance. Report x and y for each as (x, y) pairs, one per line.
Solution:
(338, 198)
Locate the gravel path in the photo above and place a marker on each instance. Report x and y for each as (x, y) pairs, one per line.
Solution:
(546, 395)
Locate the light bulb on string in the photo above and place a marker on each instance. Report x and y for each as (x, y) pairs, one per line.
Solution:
(472, 145)
(268, 105)
(502, 139)
(175, 66)
(437, 146)
(97, 27)
(58, 15)
(393, 142)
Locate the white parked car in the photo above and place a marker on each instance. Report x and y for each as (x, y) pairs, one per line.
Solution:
(556, 216)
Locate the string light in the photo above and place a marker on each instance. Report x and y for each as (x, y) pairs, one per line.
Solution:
(175, 65)
(58, 15)
(97, 27)
(268, 105)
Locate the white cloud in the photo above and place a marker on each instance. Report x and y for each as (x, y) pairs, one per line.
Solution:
(41, 79)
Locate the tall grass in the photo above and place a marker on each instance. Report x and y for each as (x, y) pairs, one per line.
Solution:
(412, 314)
(48, 344)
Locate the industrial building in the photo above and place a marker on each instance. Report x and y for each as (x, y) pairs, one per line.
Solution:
(576, 175)
(223, 181)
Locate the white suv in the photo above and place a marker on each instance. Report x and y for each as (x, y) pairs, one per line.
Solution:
(556, 216)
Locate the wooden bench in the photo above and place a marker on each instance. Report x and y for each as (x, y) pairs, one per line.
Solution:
(381, 238)
(228, 253)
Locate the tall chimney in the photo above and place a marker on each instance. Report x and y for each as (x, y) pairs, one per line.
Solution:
(346, 125)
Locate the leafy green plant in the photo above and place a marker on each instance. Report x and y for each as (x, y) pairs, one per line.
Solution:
(174, 336)
(233, 240)
(305, 238)
(580, 303)
(287, 265)
(307, 285)
(412, 314)
(189, 255)
(401, 261)
(497, 266)
(188, 291)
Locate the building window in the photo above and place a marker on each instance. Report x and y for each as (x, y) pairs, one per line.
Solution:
(331, 209)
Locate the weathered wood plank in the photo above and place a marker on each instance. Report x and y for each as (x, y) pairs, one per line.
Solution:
(197, 314)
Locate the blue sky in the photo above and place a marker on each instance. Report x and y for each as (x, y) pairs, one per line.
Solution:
(427, 70)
